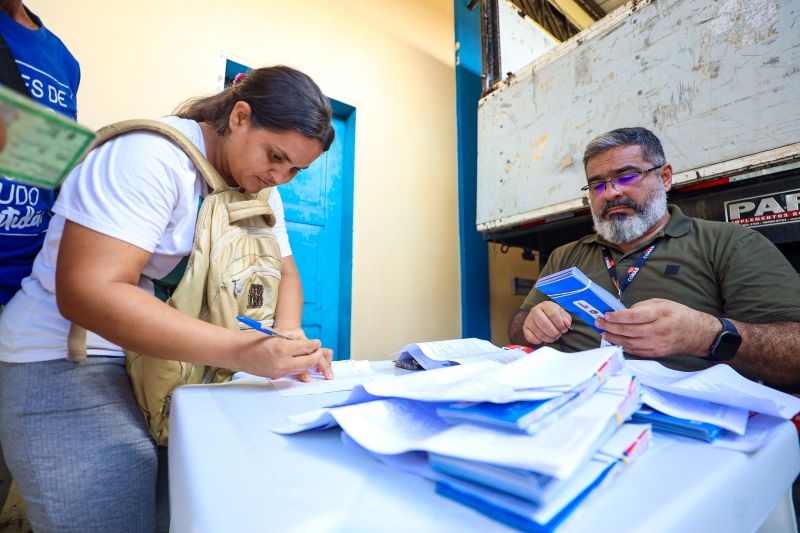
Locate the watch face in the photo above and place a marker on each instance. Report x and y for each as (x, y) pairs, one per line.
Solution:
(726, 346)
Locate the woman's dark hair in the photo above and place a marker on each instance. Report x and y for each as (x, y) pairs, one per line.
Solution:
(281, 99)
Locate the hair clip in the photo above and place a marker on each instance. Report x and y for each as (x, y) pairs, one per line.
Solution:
(239, 77)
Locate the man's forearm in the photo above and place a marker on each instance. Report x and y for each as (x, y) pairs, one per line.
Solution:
(770, 353)
(515, 333)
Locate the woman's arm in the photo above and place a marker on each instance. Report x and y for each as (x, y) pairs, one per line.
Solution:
(96, 287)
(289, 309)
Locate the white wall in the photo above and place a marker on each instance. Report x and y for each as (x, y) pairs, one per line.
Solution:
(393, 61)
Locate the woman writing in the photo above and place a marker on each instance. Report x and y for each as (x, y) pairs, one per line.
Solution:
(72, 433)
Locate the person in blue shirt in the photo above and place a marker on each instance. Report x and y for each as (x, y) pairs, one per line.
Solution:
(52, 75)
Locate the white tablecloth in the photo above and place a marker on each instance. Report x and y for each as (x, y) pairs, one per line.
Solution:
(230, 473)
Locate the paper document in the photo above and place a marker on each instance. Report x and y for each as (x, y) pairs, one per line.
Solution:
(397, 425)
(731, 418)
(545, 374)
(629, 443)
(438, 354)
(719, 384)
(42, 146)
(347, 374)
(760, 430)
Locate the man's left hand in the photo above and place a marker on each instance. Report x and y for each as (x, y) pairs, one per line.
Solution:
(658, 328)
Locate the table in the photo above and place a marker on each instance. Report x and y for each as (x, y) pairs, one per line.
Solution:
(229, 472)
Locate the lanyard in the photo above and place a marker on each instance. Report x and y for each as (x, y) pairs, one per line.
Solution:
(621, 285)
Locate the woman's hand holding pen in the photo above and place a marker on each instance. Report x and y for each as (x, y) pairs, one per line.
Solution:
(298, 334)
(275, 357)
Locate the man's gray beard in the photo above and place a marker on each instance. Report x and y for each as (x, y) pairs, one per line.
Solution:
(621, 229)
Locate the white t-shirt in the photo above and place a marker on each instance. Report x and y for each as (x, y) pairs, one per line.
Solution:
(150, 202)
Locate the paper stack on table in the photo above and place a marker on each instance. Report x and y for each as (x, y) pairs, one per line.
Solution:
(716, 405)
(439, 354)
(466, 417)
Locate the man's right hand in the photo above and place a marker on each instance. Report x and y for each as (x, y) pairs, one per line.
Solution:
(546, 323)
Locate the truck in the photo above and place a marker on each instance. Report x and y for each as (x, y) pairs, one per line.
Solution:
(717, 81)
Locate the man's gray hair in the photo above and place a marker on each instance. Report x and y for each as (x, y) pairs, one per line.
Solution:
(651, 146)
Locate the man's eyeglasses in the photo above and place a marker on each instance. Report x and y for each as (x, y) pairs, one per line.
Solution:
(628, 179)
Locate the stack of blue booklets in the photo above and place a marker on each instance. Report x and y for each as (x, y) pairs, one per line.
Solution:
(534, 502)
(663, 423)
(578, 294)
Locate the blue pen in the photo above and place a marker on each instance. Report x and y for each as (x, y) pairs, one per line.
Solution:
(256, 325)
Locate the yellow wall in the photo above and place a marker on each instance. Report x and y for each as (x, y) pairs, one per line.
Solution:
(393, 61)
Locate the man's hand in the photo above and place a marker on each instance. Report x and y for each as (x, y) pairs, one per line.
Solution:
(658, 328)
(545, 323)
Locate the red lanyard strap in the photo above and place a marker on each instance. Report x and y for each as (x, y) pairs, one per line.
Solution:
(611, 266)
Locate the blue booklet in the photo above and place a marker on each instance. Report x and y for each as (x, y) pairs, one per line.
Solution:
(664, 423)
(558, 498)
(576, 293)
(527, 416)
(524, 415)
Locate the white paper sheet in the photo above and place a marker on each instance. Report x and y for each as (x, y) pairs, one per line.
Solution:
(731, 418)
(396, 425)
(720, 384)
(347, 374)
(760, 430)
(456, 349)
(549, 368)
(544, 374)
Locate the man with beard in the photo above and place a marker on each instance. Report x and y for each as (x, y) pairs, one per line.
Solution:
(697, 292)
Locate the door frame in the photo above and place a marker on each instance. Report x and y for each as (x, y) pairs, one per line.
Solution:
(347, 114)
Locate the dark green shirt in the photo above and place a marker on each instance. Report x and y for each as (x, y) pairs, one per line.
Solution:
(718, 268)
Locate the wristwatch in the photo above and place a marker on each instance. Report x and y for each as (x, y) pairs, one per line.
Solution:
(727, 342)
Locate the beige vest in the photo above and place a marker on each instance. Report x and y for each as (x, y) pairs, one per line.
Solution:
(234, 269)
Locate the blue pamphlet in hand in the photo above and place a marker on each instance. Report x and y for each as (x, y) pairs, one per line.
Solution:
(576, 293)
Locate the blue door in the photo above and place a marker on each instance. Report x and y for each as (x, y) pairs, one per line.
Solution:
(318, 210)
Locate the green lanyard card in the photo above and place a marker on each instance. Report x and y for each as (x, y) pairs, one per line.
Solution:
(42, 146)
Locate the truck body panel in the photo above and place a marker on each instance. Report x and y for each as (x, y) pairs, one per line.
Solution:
(717, 81)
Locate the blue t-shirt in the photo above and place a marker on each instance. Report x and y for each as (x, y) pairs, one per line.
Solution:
(52, 75)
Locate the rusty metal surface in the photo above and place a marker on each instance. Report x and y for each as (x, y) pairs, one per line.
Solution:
(717, 81)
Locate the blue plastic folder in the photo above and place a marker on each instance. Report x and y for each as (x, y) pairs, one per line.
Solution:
(579, 295)
(664, 423)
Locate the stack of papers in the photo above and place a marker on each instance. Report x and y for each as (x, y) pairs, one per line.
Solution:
(531, 416)
(530, 436)
(716, 405)
(545, 509)
(439, 354)
(576, 293)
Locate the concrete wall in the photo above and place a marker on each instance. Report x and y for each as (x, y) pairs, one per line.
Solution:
(392, 61)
